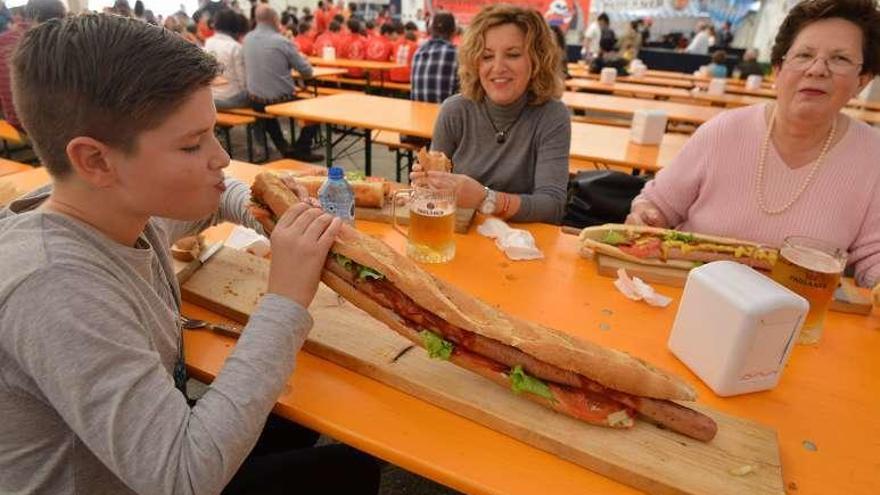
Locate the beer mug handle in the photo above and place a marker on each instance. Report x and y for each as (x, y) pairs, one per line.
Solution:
(394, 223)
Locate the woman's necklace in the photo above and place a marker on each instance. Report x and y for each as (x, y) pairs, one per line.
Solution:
(501, 134)
(759, 179)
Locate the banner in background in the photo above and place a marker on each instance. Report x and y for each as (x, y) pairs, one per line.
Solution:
(717, 10)
(567, 14)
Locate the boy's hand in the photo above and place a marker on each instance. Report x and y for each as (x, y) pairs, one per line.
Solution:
(300, 242)
(264, 216)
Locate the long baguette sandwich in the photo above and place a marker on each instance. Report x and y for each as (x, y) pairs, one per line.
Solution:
(664, 247)
(591, 383)
(367, 193)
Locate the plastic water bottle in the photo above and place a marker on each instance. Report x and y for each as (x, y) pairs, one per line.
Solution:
(336, 195)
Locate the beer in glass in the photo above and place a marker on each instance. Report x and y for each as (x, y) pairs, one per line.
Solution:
(812, 269)
(431, 224)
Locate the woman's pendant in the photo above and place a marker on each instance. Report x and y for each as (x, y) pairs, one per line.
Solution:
(501, 137)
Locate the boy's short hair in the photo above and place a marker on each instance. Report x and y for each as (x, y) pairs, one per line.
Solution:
(719, 57)
(103, 76)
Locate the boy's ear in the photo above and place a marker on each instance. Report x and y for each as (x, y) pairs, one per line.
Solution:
(90, 160)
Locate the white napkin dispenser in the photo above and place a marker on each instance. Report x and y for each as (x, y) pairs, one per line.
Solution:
(753, 82)
(648, 127)
(735, 327)
(608, 75)
(329, 53)
(717, 86)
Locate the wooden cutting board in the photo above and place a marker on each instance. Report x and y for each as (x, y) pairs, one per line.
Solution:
(646, 457)
(848, 298)
(463, 216)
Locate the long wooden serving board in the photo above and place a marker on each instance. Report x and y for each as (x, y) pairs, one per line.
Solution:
(848, 298)
(743, 458)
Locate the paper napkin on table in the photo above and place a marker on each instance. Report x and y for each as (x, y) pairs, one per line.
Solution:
(517, 244)
(634, 288)
(248, 240)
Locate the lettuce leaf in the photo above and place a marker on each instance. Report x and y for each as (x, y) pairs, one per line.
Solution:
(346, 263)
(674, 235)
(614, 238)
(368, 273)
(437, 347)
(522, 382)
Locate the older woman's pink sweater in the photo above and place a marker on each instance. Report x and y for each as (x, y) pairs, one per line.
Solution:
(710, 188)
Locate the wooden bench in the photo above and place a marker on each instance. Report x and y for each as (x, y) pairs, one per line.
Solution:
(402, 151)
(226, 121)
(616, 122)
(10, 135)
(326, 90)
(8, 167)
(252, 129)
(401, 87)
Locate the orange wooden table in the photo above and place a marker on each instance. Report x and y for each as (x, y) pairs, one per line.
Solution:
(607, 145)
(369, 66)
(829, 397)
(11, 167)
(642, 90)
(625, 106)
(365, 112)
(417, 119)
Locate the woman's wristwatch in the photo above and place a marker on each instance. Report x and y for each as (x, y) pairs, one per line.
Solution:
(487, 207)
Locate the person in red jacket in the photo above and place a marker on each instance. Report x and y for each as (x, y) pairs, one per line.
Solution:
(322, 17)
(353, 46)
(330, 37)
(305, 40)
(404, 49)
(380, 47)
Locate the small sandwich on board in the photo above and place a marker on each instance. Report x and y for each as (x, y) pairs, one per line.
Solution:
(577, 378)
(671, 248)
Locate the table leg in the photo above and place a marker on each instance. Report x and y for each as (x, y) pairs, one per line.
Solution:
(328, 146)
(368, 152)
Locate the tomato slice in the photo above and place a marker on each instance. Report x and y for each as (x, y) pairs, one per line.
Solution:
(647, 248)
(592, 407)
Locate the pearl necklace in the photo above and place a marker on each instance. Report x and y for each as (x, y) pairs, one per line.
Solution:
(759, 179)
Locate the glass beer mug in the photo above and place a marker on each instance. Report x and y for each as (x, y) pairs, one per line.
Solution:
(812, 269)
(431, 223)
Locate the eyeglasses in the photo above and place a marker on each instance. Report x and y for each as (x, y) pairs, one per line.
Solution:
(836, 64)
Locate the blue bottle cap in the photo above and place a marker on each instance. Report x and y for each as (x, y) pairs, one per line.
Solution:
(336, 173)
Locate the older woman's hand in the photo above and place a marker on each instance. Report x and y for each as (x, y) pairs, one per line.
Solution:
(645, 212)
(468, 192)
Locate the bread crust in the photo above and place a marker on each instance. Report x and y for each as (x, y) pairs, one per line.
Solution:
(609, 367)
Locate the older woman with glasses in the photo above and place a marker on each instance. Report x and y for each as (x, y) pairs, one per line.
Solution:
(507, 132)
(796, 166)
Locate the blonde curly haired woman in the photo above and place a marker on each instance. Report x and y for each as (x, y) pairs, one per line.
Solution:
(507, 132)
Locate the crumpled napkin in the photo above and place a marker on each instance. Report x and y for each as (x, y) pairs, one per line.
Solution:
(248, 240)
(634, 288)
(517, 244)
